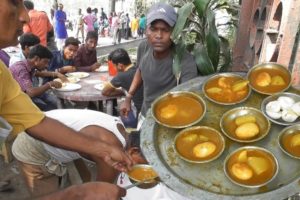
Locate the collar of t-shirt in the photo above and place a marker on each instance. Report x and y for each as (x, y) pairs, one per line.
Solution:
(128, 67)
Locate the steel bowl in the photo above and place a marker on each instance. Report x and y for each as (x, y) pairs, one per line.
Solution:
(229, 117)
(269, 66)
(217, 76)
(274, 160)
(216, 133)
(285, 132)
(146, 184)
(274, 97)
(170, 95)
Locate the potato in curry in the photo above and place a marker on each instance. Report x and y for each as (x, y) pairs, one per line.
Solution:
(227, 89)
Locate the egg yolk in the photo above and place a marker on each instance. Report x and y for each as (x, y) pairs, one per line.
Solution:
(204, 149)
(263, 79)
(242, 171)
(168, 111)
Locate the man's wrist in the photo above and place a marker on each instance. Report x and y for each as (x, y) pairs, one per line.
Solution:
(59, 70)
(129, 95)
(49, 84)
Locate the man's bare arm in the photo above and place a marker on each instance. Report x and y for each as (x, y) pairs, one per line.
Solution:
(110, 90)
(92, 190)
(59, 135)
(136, 83)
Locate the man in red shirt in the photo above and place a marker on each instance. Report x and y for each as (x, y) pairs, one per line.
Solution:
(39, 23)
(86, 58)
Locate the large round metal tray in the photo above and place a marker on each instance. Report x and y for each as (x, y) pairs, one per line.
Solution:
(208, 181)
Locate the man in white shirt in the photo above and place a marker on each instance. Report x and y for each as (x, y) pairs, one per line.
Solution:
(43, 165)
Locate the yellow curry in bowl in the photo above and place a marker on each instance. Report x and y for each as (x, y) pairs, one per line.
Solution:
(142, 173)
(245, 124)
(226, 89)
(289, 141)
(199, 144)
(178, 109)
(269, 78)
(251, 166)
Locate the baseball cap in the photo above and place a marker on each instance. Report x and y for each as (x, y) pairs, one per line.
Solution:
(162, 11)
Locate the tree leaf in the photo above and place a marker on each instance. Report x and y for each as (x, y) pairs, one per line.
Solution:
(212, 40)
(183, 13)
(203, 61)
(201, 6)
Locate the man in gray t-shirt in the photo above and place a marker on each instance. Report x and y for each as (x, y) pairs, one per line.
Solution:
(155, 60)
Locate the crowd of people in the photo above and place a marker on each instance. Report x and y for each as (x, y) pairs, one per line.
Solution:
(116, 25)
(46, 141)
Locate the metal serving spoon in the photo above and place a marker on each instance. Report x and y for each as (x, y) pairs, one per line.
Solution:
(137, 183)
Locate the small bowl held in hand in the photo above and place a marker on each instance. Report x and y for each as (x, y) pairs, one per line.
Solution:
(142, 172)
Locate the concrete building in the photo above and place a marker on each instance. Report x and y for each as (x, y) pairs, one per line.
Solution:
(268, 32)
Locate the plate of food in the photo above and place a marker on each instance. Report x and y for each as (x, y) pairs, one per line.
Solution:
(70, 79)
(282, 108)
(78, 74)
(67, 87)
(103, 68)
(99, 86)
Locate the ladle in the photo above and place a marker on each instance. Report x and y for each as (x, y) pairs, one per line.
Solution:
(138, 183)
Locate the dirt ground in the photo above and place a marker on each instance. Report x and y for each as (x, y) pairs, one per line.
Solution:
(11, 172)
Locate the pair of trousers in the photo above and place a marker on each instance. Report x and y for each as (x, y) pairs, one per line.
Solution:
(80, 29)
(46, 101)
(38, 180)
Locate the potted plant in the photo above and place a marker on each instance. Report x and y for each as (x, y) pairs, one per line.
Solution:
(196, 31)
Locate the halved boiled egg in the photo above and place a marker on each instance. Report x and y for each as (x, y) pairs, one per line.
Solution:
(204, 149)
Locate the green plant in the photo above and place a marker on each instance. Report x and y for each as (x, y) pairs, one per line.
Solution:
(140, 7)
(196, 31)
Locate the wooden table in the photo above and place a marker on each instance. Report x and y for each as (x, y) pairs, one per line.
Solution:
(87, 92)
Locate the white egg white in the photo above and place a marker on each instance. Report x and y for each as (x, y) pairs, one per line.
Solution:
(288, 115)
(296, 108)
(273, 106)
(285, 102)
(273, 115)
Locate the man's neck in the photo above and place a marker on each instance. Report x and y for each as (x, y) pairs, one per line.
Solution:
(30, 64)
(161, 55)
(64, 57)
